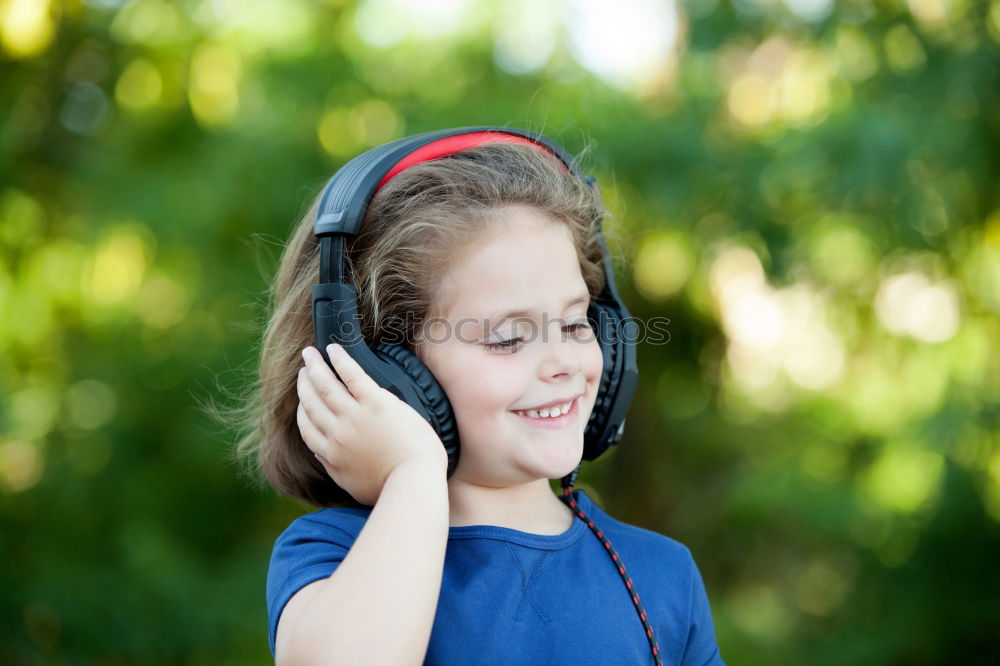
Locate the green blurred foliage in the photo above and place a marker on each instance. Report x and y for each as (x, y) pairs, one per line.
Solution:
(808, 190)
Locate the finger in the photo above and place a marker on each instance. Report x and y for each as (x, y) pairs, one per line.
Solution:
(315, 441)
(322, 410)
(324, 382)
(353, 375)
(311, 435)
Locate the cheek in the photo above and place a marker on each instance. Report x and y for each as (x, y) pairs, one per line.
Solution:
(478, 384)
(593, 360)
(493, 383)
(480, 406)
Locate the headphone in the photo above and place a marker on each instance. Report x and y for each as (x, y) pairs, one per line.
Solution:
(342, 208)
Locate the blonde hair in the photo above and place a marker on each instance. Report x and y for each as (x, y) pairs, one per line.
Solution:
(416, 225)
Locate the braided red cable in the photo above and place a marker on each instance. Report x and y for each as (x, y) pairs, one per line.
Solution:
(570, 501)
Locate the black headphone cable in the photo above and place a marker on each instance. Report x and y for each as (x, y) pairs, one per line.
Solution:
(570, 501)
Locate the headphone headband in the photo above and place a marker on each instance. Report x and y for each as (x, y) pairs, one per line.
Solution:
(455, 143)
(347, 194)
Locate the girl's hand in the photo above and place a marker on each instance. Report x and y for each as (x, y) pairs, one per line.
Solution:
(358, 430)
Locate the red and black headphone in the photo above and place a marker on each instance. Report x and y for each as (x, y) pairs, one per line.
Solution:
(341, 212)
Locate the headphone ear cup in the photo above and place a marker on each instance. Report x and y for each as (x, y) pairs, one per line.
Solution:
(431, 395)
(604, 321)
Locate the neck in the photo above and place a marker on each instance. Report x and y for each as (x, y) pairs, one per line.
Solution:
(528, 507)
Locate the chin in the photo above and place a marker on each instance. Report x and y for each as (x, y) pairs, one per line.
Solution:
(558, 468)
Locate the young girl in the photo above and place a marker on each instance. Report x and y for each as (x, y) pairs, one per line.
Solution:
(483, 262)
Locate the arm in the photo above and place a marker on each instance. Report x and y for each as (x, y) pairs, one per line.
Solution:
(378, 606)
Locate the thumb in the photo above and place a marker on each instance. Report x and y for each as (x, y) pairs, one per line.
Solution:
(353, 375)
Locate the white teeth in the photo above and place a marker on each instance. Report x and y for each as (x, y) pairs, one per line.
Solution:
(546, 412)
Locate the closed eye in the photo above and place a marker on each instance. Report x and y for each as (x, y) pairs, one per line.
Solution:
(580, 330)
(504, 345)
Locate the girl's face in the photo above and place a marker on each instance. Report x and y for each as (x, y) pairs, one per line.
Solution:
(511, 335)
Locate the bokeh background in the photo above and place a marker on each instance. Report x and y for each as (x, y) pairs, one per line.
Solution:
(806, 189)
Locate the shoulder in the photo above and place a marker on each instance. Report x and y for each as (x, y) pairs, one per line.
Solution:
(640, 543)
(338, 525)
(311, 547)
(665, 574)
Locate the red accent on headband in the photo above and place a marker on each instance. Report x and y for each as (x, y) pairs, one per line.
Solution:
(450, 145)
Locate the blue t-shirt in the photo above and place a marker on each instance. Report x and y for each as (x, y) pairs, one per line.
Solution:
(511, 597)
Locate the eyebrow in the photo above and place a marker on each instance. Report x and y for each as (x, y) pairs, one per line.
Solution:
(514, 314)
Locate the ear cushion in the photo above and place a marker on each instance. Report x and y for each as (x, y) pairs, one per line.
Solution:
(604, 320)
(432, 396)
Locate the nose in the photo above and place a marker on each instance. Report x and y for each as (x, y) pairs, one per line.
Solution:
(560, 355)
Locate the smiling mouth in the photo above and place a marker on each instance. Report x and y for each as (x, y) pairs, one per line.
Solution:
(551, 416)
(554, 411)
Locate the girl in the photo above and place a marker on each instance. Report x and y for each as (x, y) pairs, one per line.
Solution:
(483, 261)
